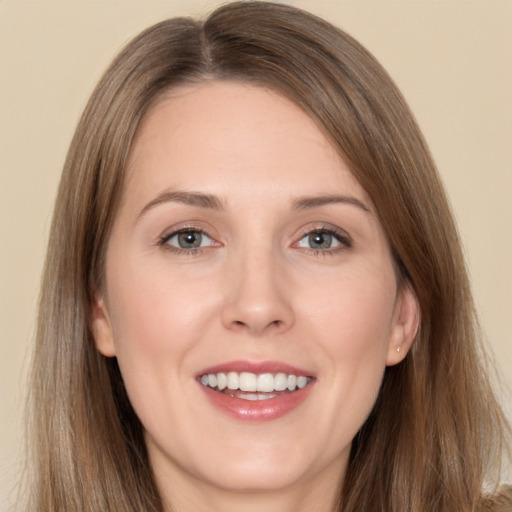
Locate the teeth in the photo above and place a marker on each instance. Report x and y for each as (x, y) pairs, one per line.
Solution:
(247, 382)
(265, 382)
(232, 380)
(254, 383)
(280, 382)
(292, 382)
(301, 381)
(255, 396)
(222, 381)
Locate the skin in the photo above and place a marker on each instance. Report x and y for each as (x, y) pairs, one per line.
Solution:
(257, 290)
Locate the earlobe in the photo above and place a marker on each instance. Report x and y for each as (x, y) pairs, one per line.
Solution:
(405, 326)
(101, 327)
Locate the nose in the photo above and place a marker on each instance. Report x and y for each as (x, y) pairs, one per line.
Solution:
(258, 298)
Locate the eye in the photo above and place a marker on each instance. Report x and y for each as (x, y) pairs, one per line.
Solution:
(187, 239)
(324, 240)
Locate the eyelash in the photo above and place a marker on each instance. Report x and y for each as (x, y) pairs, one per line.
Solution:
(163, 241)
(344, 241)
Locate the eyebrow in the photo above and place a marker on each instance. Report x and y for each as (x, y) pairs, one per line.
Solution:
(189, 198)
(305, 203)
(214, 203)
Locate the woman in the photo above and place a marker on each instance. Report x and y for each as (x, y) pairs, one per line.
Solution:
(254, 293)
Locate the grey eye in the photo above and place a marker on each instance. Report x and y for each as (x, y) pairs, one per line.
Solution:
(191, 239)
(319, 240)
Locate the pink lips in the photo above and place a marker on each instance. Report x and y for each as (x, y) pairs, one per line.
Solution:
(255, 367)
(257, 410)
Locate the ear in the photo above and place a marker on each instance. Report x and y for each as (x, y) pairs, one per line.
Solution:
(406, 321)
(101, 326)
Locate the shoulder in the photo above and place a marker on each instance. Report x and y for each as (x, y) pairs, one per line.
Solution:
(501, 501)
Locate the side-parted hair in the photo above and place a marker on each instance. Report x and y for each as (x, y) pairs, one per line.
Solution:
(436, 435)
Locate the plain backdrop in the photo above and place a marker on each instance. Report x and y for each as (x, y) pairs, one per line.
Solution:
(452, 60)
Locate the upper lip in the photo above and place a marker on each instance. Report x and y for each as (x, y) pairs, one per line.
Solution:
(256, 367)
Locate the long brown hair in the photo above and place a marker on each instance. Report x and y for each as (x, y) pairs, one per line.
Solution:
(436, 433)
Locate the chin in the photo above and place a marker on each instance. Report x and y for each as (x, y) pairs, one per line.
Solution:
(255, 478)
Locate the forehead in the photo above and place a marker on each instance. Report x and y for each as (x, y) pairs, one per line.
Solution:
(229, 134)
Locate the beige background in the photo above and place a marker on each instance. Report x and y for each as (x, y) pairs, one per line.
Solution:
(452, 60)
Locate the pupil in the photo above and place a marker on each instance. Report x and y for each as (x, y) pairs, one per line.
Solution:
(189, 239)
(320, 240)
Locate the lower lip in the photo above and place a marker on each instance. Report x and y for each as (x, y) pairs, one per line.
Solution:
(257, 410)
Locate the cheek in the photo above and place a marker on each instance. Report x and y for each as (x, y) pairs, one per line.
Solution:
(355, 312)
(155, 321)
(141, 317)
(155, 310)
(353, 321)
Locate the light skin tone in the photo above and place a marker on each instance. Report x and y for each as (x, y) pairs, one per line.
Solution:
(292, 266)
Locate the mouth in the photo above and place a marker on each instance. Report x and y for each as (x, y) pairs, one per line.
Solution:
(249, 391)
(254, 386)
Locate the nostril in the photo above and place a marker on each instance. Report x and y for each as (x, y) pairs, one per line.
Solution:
(257, 313)
(254, 327)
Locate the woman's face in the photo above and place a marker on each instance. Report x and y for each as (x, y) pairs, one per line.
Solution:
(246, 256)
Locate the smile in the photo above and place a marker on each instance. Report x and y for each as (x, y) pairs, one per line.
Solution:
(253, 386)
(256, 391)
